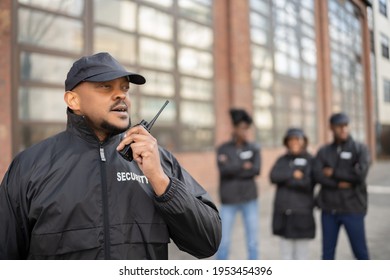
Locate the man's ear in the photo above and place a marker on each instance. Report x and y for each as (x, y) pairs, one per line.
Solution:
(72, 99)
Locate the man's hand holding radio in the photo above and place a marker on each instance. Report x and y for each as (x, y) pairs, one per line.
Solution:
(146, 154)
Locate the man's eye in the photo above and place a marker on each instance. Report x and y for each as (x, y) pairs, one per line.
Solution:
(104, 86)
(125, 88)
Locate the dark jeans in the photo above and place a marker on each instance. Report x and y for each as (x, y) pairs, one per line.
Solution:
(354, 226)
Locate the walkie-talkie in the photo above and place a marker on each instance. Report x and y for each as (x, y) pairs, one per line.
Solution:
(127, 152)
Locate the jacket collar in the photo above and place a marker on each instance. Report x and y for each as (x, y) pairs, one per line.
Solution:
(79, 126)
(345, 143)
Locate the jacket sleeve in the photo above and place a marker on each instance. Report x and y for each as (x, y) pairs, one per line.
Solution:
(256, 166)
(306, 183)
(281, 172)
(192, 218)
(228, 168)
(359, 169)
(282, 175)
(319, 176)
(235, 168)
(13, 224)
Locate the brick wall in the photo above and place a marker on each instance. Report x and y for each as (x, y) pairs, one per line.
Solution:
(5, 86)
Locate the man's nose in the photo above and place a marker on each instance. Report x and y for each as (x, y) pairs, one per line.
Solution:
(119, 94)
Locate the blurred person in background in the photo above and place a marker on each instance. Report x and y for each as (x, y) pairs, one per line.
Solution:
(341, 168)
(239, 163)
(293, 218)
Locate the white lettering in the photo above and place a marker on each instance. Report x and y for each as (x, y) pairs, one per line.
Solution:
(130, 176)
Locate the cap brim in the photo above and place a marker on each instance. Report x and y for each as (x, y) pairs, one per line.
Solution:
(108, 76)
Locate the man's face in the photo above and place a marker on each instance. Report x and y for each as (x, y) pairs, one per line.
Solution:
(105, 105)
(295, 144)
(241, 131)
(340, 131)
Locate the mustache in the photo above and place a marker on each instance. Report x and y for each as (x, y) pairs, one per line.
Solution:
(119, 103)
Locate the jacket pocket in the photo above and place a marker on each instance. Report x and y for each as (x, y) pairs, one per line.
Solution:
(51, 244)
(139, 233)
(279, 224)
(302, 221)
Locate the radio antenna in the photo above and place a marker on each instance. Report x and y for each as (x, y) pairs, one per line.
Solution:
(151, 123)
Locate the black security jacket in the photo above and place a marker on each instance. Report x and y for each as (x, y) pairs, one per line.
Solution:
(294, 198)
(238, 185)
(350, 161)
(72, 197)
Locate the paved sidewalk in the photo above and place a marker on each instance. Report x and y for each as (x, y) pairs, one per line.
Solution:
(377, 224)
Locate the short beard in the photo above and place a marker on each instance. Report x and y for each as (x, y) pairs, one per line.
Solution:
(112, 129)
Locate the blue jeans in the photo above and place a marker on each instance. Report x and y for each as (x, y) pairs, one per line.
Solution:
(354, 226)
(250, 213)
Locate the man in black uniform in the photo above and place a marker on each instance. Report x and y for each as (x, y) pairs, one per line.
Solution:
(293, 218)
(341, 168)
(72, 196)
(239, 164)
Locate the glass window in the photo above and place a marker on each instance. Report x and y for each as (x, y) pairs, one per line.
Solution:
(203, 136)
(55, 70)
(156, 54)
(199, 10)
(309, 4)
(192, 112)
(164, 3)
(386, 90)
(150, 107)
(120, 14)
(260, 6)
(192, 34)
(196, 63)
(307, 16)
(261, 57)
(121, 45)
(41, 104)
(263, 118)
(385, 46)
(42, 29)
(346, 64)
(70, 7)
(258, 20)
(197, 89)
(263, 98)
(259, 36)
(281, 63)
(285, 85)
(383, 7)
(155, 23)
(158, 83)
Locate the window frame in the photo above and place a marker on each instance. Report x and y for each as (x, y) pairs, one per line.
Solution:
(386, 90)
(385, 46)
(383, 7)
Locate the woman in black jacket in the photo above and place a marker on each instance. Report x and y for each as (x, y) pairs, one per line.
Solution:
(293, 218)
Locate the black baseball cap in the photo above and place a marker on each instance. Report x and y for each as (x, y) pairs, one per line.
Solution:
(338, 118)
(100, 67)
(294, 132)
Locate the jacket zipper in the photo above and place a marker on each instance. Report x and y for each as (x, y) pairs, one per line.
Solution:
(106, 224)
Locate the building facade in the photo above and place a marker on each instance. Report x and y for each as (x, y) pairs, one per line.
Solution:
(288, 62)
(381, 36)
